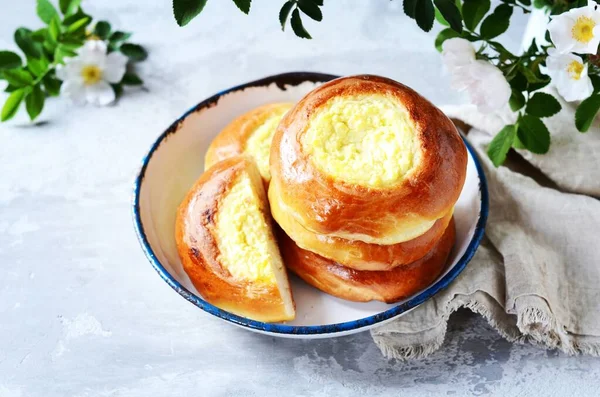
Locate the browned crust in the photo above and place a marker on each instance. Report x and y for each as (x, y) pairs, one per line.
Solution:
(328, 206)
(363, 286)
(198, 248)
(232, 140)
(357, 254)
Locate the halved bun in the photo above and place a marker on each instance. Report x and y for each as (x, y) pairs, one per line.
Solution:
(251, 133)
(357, 254)
(363, 286)
(366, 158)
(226, 244)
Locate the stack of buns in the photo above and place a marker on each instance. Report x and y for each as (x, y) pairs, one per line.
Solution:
(362, 176)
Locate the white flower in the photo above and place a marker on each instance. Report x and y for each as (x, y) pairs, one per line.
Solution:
(577, 30)
(484, 82)
(569, 75)
(86, 77)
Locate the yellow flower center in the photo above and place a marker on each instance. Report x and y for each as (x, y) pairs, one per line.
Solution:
(574, 69)
(583, 30)
(91, 74)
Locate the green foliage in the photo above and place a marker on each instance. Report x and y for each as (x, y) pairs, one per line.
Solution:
(473, 12)
(542, 105)
(497, 22)
(501, 143)
(533, 134)
(243, 5)
(186, 10)
(65, 32)
(586, 112)
(450, 12)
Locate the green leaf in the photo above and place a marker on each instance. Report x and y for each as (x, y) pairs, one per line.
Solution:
(516, 101)
(529, 75)
(473, 12)
(318, 2)
(54, 28)
(37, 66)
(542, 105)
(78, 24)
(595, 82)
(46, 10)
(310, 9)
(284, 13)
(10, 88)
(518, 82)
(501, 144)
(9, 60)
(118, 89)
(410, 8)
(586, 112)
(297, 26)
(517, 144)
(131, 79)
(39, 35)
(243, 5)
(34, 102)
(450, 13)
(102, 30)
(497, 22)
(68, 7)
(26, 43)
(52, 85)
(533, 134)
(425, 14)
(186, 10)
(440, 18)
(444, 35)
(18, 77)
(119, 37)
(75, 17)
(134, 52)
(12, 104)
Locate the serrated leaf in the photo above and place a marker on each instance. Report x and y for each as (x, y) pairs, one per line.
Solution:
(542, 105)
(425, 14)
(284, 13)
(12, 104)
(134, 52)
(102, 29)
(473, 12)
(310, 9)
(444, 35)
(68, 7)
(533, 134)
(243, 5)
(450, 13)
(46, 10)
(186, 10)
(18, 77)
(297, 26)
(131, 79)
(119, 37)
(586, 112)
(516, 101)
(501, 144)
(497, 22)
(410, 8)
(9, 60)
(26, 43)
(34, 102)
(79, 24)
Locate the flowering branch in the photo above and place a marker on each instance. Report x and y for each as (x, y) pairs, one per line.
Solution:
(65, 58)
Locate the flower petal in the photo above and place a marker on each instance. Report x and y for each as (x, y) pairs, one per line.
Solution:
(93, 52)
(74, 90)
(100, 93)
(115, 67)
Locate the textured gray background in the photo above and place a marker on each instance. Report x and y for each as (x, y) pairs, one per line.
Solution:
(82, 313)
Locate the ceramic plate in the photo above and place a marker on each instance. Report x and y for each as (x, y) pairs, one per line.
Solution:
(176, 160)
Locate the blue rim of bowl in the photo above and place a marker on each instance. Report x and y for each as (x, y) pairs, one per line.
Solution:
(282, 80)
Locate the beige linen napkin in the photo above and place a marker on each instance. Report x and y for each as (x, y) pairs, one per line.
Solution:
(536, 275)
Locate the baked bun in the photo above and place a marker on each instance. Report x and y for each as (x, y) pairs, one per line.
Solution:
(226, 244)
(250, 133)
(363, 286)
(357, 254)
(366, 158)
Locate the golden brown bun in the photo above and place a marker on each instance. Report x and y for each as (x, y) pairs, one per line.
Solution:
(378, 215)
(233, 139)
(363, 286)
(356, 254)
(201, 249)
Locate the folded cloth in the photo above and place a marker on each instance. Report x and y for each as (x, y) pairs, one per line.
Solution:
(536, 275)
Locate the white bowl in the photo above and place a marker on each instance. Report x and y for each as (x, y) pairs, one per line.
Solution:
(176, 160)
